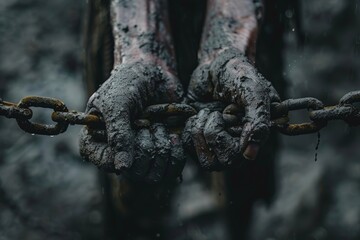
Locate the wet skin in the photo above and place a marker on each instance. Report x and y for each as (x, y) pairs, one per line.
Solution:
(232, 79)
(145, 74)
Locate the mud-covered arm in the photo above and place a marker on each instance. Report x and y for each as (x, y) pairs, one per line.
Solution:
(229, 24)
(143, 75)
(226, 73)
(230, 31)
(141, 31)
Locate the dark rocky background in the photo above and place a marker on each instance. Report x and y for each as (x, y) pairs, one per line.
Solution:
(47, 192)
(318, 200)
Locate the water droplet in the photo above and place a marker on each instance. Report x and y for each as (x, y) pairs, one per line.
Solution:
(33, 134)
(158, 235)
(293, 29)
(52, 136)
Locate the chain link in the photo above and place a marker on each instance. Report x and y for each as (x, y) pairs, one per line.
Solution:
(318, 114)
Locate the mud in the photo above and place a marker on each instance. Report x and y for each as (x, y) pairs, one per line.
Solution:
(121, 100)
(229, 24)
(144, 74)
(141, 30)
(231, 78)
(48, 181)
(226, 70)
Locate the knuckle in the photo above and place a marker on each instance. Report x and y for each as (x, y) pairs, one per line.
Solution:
(120, 139)
(259, 132)
(212, 132)
(196, 129)
(144, 142)
(204, 113)
(209, 134)
(163, 146)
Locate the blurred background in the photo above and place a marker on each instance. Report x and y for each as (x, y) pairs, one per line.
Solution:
(48, 192)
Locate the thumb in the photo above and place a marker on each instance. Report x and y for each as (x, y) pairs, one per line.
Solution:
(120, 139)
(257, 121)
(116, 108)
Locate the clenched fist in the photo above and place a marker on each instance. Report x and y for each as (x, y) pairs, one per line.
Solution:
(232, 79)
(145, 154)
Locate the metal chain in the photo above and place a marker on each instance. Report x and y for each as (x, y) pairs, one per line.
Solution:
(318, 114)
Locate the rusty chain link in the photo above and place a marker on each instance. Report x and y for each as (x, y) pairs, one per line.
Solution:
(318, 114)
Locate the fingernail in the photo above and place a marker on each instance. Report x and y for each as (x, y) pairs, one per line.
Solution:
(122, 161)
(251, 151)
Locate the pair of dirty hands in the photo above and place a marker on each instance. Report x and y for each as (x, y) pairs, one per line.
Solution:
(153, 154)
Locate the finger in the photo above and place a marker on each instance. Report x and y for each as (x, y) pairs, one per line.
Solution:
(232, 109)
(186, 135)
(206, 157)
(257, 117)
(274, 96)
(177, 159)
(116, 114)
(233, 113)
(172, 88)
(120, 137)
(162, 153)
(226, 147)
(251, 151)
(200, 87)
(143, 152)
(252, 91)
(99, 153)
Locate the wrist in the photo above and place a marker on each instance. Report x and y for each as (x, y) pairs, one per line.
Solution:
(224, 54)
(137, 55)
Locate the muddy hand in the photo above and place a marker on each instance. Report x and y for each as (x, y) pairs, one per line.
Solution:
(230, 78)
(141, 154)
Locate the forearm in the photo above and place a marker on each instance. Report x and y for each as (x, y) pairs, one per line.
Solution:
(141, 31)
(229, 24)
